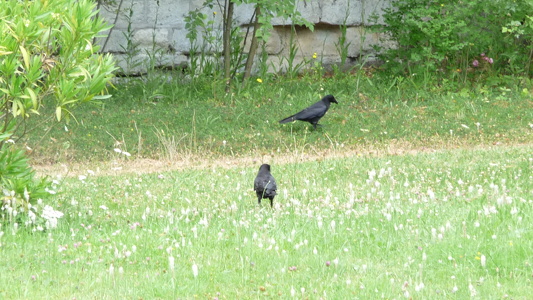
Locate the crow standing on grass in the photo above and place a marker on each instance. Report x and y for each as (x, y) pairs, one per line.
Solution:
(265, 185)
(313, 113)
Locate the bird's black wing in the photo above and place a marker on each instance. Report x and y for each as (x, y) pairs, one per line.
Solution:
(317, 110)
(265, 183)
(271, 187)
(314, 111)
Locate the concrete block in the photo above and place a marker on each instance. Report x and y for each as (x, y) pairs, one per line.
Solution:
(168, 13)
(152, 38)
(139, 64)
(179, 41)
(116, 43)
(138, 19)
(243, 14)
(162, 23)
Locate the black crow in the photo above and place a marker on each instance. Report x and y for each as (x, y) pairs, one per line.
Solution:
(265, 185)
(313, 113)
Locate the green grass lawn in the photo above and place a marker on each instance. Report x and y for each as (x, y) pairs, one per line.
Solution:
(180, 118)
(406, 192)
(445, 225)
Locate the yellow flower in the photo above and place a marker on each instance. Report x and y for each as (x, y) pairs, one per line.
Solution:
(259, 80)
(214, 13)
(314, 55)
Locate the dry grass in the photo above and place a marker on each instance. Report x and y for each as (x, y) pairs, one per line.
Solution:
(188, 160)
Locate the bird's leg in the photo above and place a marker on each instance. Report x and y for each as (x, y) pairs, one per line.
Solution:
(319, 125)
(272, 203)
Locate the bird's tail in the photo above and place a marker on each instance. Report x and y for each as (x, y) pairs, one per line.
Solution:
(287, 120)
(270, 193)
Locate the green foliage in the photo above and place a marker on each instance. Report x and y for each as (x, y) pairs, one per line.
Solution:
(285, 9)
(47, 60)
(204, 37)
(519, 33)
(205, 40)
(447, 35)
(130, 49)
(342, 45)
(426, 33)
(49, 52)
(22, 195)
(17, 178)
(293, 68)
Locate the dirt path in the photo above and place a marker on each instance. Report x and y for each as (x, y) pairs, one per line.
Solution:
(144, 166)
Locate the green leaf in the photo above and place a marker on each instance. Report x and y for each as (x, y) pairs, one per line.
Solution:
(102, 97)
(33, 97)
(25, 57)
(58, 113)
(3, 52)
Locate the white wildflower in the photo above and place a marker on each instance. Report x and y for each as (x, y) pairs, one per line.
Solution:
(171, 263)
(332, 225)
(473, 291)
(431, 194)
(122, 152)
(51, 216)
(195, 270)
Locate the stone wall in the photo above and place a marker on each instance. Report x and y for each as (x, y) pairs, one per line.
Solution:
(157, 29)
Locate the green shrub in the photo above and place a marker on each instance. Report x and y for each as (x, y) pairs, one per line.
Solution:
(448, 35)
(47, 58)
(22, 194)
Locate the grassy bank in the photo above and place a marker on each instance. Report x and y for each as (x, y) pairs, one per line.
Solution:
(168, 117)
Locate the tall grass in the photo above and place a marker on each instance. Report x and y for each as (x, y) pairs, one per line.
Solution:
(373, 110)
(447, 224)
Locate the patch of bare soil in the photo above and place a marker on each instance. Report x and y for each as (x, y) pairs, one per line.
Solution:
(145, 166)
